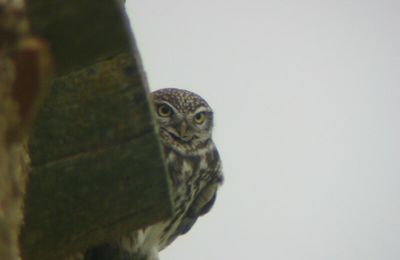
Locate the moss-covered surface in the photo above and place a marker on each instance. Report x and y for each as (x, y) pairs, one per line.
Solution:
(97, 168)
(80, 32)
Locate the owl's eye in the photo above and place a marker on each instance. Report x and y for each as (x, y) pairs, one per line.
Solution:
(164, 110)
(199, 118)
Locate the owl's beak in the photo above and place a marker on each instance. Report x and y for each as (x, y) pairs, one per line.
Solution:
(183, 132)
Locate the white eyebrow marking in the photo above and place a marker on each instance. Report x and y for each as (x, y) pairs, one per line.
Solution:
(158, 102)
(202, 109)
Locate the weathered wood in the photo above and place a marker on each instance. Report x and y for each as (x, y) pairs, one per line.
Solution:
(101, 105)
(80, 32)
(97, 168)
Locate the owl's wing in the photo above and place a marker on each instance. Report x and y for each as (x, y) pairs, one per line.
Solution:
(200, 206)
(204, 200)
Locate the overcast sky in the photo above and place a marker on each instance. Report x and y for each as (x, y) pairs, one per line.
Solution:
(307, 101)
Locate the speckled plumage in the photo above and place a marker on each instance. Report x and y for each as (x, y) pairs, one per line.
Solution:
(185, 123)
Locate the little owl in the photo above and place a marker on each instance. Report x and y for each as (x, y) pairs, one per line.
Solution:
(185, 123)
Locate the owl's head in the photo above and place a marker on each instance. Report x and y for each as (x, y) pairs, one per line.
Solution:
(184, 118)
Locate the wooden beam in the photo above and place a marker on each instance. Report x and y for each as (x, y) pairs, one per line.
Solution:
(97, 167)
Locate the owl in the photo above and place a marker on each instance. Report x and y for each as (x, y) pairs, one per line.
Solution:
(185, 124)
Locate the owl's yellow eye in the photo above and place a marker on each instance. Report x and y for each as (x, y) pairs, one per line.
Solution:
(164, 110)
(199, 118)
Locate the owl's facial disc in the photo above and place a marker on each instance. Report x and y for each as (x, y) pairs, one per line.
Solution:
(183, 127)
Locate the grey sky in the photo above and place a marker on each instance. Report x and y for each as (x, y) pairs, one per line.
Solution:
(307, 101)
